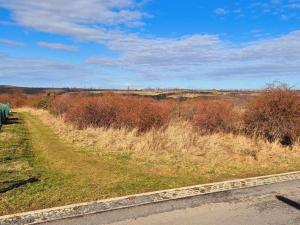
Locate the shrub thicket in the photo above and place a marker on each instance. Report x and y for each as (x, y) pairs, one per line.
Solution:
(274, 114)
(215, 116)
(59, 105)
(20, 99)
(118, 111)
(187, 109)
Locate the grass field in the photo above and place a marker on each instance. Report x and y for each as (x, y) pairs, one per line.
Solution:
(79, 169)
(67, 174)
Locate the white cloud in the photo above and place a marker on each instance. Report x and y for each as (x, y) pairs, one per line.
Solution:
(189, 57)
(275, 1)
(11, 43)
(14, 65)
(80, 11)
(221, 11)
(202, 55)
(44, 72)
(57, 46)
(294, 5)
(164, 53)
(92, 20)
(282, 9)
(284, 17)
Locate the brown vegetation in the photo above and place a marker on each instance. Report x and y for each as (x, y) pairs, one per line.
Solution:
(177, 144)
(20, 99)
(275, 114)
(215, 117)
(129, 144)
(117, 112)
(59, 105)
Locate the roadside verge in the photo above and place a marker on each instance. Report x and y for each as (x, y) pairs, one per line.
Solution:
(103, 206)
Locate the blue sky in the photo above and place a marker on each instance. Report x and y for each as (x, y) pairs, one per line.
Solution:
(149, 43)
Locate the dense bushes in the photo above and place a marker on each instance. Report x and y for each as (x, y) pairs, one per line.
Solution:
(209, 116)
(144, 113)
(118, 111)
(58, 105)
(275, 114)
(215, 116)
(186, 110)
(20, 99)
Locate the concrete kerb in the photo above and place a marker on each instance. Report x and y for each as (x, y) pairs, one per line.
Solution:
(106, 205)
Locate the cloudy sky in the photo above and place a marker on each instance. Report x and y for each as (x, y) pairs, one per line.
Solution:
(149, 43)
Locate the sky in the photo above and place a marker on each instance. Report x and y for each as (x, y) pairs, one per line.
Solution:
(196, 44)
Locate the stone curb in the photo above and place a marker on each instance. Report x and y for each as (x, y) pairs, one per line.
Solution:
(81, 209)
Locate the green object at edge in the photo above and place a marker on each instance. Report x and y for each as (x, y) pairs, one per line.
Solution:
(4, 112)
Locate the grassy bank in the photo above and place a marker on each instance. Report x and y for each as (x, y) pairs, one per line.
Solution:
(81, 165)
(67, 174)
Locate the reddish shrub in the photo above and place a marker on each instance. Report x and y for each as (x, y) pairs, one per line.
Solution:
(58, 105)
(90, 111)
(275, 114)
(143, 114)
(215, 116)
(118, 111)
(186, 110)
(20, 99)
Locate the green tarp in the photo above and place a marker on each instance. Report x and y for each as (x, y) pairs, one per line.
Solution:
(4, 112)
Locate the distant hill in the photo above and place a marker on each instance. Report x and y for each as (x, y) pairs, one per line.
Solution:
(149, 92)
(35, 90)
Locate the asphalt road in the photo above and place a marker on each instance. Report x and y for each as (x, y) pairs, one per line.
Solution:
(276, 204)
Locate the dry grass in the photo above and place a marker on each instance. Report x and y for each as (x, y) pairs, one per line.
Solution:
(67, 174)
(7, 136)
(179, 143)
(93, 163)
(83, 165)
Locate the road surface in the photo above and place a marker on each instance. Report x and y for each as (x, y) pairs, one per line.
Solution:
(275, 204)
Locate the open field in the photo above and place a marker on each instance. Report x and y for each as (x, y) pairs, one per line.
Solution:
(67, 174)
(80, 165)
(65, 148)
(104, 99)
